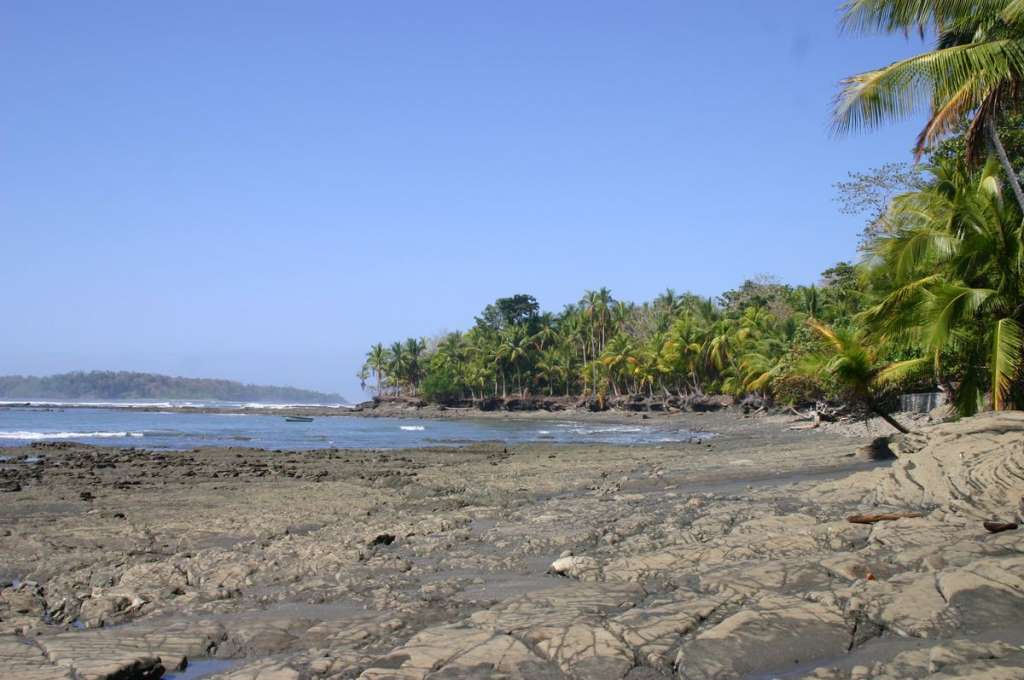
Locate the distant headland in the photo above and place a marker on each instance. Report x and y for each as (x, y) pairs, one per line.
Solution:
(118, 385)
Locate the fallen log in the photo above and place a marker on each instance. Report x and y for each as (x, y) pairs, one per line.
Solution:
(881, 517)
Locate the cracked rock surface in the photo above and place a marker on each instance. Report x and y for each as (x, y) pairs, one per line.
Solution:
(726, 560)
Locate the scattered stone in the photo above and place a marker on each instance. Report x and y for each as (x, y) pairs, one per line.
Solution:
(998, 527)
(577, 567)
(383, 539)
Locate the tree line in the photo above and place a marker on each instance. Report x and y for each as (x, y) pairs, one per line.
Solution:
(80, 385)
(935, 301)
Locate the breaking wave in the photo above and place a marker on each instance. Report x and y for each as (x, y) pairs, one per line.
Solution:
(35, 436)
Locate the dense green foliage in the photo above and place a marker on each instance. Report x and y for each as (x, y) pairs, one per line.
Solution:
(676, 344)
(936, 302)
(125, 385)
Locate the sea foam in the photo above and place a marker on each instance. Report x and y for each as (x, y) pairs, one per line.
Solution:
(33, 436)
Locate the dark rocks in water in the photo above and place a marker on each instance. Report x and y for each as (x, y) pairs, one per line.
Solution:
(631, 403)
(525, 404)
(489, 404)
(877, 450)
(699, 402)
(593, 404)
(710, 403)
(400, 402)
(532, 404)
(753, 402)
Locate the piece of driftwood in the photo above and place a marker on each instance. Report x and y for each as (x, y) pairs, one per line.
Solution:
(822, 413)
(996, 527)
(881, 517)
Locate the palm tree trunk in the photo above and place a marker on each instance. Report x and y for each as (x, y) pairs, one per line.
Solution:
(1004, 160)
(887, 418)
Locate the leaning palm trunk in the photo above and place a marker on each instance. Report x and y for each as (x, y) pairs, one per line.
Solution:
(878, 411)
(1004, 161)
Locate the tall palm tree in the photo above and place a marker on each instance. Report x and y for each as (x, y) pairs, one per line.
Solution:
(414, 349)
(547, 333)
(377, 363)
(974, 74)
(398, 364)
(514, 351)
(552, 366)
(618, 357)
(598, 307)
(950, 275)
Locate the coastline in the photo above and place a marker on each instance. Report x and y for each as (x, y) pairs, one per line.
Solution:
(718, 416)
(534, 560)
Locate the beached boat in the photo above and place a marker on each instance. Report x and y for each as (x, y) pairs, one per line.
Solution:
(298, 419)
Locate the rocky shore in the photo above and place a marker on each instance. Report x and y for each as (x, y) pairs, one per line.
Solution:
(726, 558)
(414, 407)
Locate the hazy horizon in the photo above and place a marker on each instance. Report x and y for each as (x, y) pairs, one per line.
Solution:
(258, 194)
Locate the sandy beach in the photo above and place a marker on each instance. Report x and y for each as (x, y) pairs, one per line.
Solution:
(731, 557)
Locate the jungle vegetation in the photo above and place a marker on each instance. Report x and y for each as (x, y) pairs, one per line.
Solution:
(934, 301)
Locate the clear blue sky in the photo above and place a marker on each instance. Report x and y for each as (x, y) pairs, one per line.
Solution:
(259, 190)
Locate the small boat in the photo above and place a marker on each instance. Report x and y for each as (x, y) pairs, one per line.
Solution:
(298, 419)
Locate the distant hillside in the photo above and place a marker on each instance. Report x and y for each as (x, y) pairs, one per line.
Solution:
(125, 385)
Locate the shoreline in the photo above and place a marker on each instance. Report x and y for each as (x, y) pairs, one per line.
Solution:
(774, 418)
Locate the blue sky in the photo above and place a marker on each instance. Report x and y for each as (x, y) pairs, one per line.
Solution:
(259, 190)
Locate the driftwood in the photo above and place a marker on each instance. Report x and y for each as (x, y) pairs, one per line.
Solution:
(881, 517)
(996, 527)
(821, 412)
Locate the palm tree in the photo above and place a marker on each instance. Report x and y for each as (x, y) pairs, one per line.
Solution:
(810, 301)
(414, 349)
(598, 305)
(856, 365)
(681, 355)
(547, 332)
(514, 350)
(617, 358)
(575, 331)
(950, 275)
(553, 368)
(377, 362)
(397, 365)
(974, 75)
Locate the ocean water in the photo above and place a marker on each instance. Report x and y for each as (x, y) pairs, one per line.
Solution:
(174, 430)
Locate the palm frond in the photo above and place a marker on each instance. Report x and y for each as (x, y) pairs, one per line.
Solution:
(949, 115)
(900, 370)
(952, 305)
(1007, 352)
(827, 333)
(904, 16)
(1013, 13)
(906, 87)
